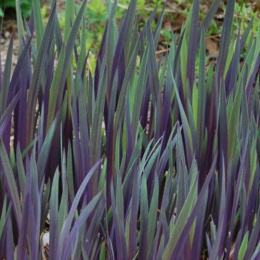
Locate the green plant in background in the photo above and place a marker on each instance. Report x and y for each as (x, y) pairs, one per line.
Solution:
(26, 6)
(244, 14)
(96, 16)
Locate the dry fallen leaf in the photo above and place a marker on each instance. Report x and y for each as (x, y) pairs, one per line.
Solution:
(212, 47)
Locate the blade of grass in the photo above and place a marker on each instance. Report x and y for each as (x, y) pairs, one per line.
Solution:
(10, 183)
(58, 84)
(67, 224)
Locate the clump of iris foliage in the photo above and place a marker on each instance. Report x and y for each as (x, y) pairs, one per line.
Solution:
(152, 157)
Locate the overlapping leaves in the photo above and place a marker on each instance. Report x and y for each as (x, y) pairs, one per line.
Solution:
(149, 158)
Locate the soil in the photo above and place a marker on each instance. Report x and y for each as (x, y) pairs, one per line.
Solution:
(8, 28)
